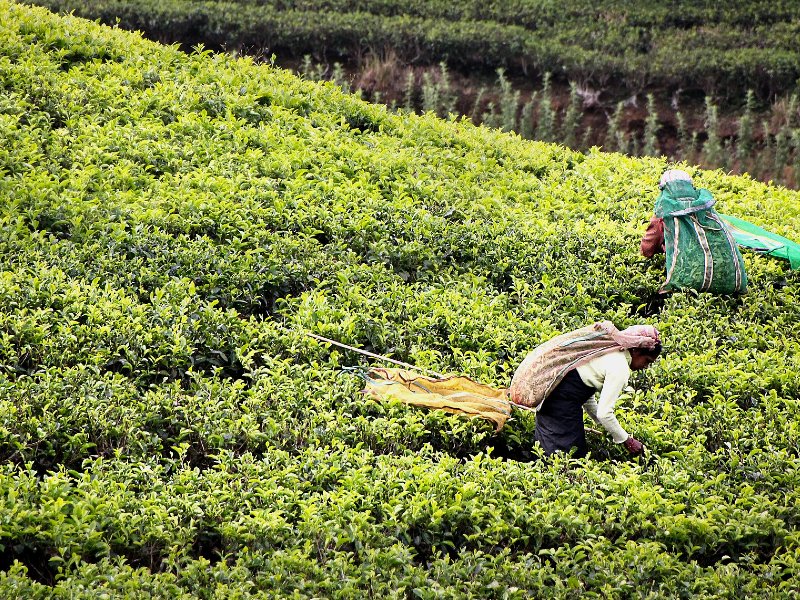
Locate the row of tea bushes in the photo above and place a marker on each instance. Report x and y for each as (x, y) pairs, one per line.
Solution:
(750, 45)
(336, 520)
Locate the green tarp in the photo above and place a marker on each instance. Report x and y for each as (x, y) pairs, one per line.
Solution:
(754, 237)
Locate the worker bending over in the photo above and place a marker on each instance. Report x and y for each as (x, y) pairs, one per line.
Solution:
(701, 250)
(561, 377)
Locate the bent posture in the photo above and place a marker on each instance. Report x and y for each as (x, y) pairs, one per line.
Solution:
(561, 377)
(701, 251)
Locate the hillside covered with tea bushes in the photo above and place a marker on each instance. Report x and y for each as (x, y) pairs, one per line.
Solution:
(720, 49)
(172, 224)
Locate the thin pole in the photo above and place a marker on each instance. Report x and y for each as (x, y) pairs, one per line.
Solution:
(378, 356)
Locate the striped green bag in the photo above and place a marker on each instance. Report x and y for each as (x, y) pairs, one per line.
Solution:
(701, 251)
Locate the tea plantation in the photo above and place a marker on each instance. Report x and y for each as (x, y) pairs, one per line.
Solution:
(172, 224)
(721, 49)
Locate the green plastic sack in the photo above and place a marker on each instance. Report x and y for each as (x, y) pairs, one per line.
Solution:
(701, 251)
(759, 239)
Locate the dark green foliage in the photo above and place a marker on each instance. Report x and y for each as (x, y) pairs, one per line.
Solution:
(750, 45)
(650, 147)
(572, 117)
(714, 147)
(744, 138)
(621, 49)
(545, 124)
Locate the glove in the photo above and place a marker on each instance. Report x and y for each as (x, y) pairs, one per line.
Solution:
(633, 445)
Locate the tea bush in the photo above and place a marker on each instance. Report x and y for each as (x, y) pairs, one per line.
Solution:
(173, 223)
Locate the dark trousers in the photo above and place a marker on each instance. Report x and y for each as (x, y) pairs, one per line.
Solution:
(559, 421)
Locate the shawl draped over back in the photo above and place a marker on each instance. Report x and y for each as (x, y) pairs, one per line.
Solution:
(544, 368)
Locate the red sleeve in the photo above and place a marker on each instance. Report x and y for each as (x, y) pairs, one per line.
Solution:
(653, 240)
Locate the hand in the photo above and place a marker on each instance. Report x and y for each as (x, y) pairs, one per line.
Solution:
(633, 445)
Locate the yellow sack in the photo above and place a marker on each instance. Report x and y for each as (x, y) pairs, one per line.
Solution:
(456, 394)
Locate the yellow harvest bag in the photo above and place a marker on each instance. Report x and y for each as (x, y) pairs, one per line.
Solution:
(456, 394)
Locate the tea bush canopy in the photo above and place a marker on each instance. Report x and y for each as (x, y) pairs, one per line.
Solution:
(171, 225)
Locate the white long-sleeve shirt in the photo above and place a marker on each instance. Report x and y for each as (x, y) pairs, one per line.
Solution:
(609, 375)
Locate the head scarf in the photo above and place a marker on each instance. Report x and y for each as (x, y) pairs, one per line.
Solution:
(673, 175)
(635, 336)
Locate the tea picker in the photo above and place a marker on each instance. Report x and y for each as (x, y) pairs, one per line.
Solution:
(701, 252)
(558, 380)
(701, 244)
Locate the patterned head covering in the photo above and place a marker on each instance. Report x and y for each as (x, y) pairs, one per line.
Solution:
(673, 175)
(635, 336)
